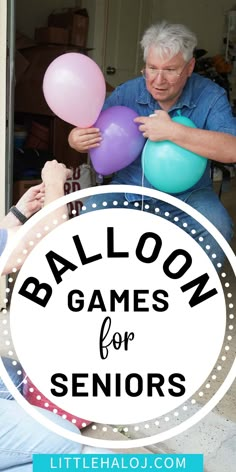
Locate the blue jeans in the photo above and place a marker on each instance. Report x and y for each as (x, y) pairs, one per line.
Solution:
(21, 436)
(204, 200)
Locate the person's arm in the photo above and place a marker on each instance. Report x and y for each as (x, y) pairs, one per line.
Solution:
(217, 138)
(215, 145)
(54, 176)
(28, 204)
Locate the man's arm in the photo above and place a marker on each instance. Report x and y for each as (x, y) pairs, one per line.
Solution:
(214, 145)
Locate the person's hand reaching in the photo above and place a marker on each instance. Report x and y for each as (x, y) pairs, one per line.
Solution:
(31, 201)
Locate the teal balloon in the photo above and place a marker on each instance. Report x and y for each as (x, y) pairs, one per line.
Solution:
(169, 167)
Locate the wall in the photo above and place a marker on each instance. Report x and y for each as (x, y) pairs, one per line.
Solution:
(3, 19)
(3, 47)
(205, 17)
(31, 13)
(97, 10)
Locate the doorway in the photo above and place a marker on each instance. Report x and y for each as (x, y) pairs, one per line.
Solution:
(125, 24)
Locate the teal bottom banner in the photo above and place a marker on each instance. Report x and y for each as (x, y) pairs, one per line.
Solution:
(112, 462)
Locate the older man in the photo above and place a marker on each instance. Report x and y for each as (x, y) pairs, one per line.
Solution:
(169, 86)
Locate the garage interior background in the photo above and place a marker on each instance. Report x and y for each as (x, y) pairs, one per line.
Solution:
(105, 34)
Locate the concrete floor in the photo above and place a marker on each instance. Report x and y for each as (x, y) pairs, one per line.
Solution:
(215, 435)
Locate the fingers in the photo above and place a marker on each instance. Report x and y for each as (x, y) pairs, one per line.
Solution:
(36, 188)
(69, 173)
(91, 140)
(88, 134)
(36, 192)
(146, 119)
(35, 206)
(142, 128)
(141, 119)
(53, 172)
(84, 139)
(144, 124)
(149, 126)
(40, 195)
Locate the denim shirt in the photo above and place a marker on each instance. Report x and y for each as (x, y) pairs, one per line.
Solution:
(3, 240)
(202, 100)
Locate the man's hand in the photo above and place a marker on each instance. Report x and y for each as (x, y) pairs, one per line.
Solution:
(157, 127)
(84, 139)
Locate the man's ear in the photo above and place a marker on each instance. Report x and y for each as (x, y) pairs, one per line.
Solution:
(192, 63)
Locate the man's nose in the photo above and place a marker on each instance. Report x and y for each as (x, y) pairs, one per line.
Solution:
(160, 77)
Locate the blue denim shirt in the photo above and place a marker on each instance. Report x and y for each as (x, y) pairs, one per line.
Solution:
(202, 100)
(3, 239)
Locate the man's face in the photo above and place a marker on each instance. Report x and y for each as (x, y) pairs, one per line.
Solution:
(166, 78)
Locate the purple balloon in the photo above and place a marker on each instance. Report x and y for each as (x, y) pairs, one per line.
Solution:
(121, 143)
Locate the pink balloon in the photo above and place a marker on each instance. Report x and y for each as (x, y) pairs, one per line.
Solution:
(75, 89)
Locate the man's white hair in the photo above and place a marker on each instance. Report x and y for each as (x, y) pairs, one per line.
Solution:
(168, 40)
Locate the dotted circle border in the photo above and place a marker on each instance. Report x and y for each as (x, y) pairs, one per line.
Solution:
(217, 368)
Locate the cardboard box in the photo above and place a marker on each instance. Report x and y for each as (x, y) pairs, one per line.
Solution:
(21, 65)
(20, 187)
(52, 35)
(79, 32)
(75, 20)
(23, 42)
(62, 17)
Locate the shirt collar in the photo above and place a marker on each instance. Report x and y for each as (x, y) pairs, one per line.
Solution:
(185, 100)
